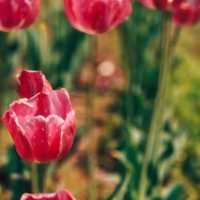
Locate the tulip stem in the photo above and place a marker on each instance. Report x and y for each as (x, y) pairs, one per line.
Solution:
(92, 160)
(35, 178)
(153, 138)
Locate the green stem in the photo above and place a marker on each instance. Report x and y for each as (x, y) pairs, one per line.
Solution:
(34, 178)
(164, 84)
(129, 94)
(157, 118)
(92, 160)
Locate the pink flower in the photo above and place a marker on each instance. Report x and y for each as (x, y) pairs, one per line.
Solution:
(97, 16)
(18, 14)
(42, 126)
(61, 195)
(32, 82)
(186, 12)
(156, 4)
(160, 4)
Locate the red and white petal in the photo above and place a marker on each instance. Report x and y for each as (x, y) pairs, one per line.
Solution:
(23, 110)
(22, 144)
(37, 134)
(42, 196)
(61, 195)
(67, 134)
(60, 103)
(119, 14)
(65, 195)
(41, 102)
(57, 102)
(32, 13)
(32, 82)
(54, 124)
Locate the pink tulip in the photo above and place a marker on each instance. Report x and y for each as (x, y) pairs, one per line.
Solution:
(18, 14)
(61, 195)
(186, 12)
(97, 16)
(42, 126)
(160, 4)
(156, 4)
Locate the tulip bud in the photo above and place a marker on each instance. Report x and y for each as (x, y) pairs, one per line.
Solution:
(18, 14)
(42, 126)
(61, 195)
(97, 16)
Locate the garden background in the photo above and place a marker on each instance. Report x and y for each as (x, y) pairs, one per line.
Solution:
(113, 83)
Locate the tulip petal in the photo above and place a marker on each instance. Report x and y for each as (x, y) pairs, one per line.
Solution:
(60, 103)
(22, 145)
(43, 196)
(118, 14)
(56, 102)
(36, 130)
(32, 13)
(54, 124)
(67, 134)
(32, 82)
(65, 195)
(61, 195)
(98, 15)
(156, 4)
(42, 104)
(23, 110)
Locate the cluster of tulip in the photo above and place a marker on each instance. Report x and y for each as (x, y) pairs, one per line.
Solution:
(94, 16)
(42, 124)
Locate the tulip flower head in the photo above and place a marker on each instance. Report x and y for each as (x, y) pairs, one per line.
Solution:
(186, 12)
(157, 4)
(97, 16)
(18, 14)
(42, 124)
(61, 195)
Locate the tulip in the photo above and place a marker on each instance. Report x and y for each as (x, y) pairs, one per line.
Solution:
(42, 126)
(18, 14)
(156, 4)
(160, 4)
(61, 195)
(186, 12)
(97, 16)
